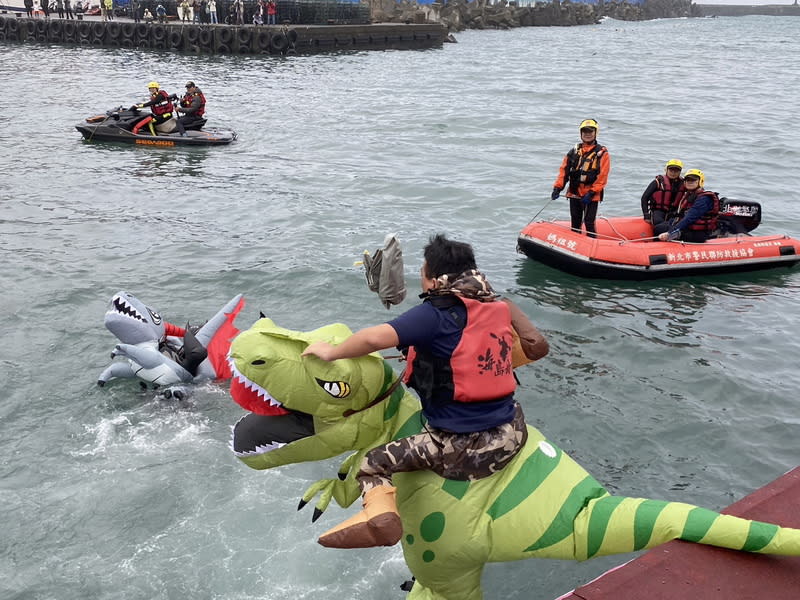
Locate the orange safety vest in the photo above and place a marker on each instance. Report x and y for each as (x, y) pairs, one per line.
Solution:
(480, 369)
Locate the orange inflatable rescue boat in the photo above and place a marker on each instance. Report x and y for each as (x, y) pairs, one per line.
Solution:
(625, 249)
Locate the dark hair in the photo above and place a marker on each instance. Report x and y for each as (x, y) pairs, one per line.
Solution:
(447, 257)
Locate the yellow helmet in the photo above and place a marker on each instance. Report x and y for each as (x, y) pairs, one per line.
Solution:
(153, 84)
(695, 173)
(674, 162)
(589, 124)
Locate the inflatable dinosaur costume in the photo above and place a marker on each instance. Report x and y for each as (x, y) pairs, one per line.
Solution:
(543, 504)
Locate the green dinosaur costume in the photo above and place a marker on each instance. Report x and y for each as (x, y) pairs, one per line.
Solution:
(543, 504)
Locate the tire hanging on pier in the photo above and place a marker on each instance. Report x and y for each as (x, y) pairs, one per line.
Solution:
(54, 33)
(113, 30)
(158, 33)
(245, 38)
(175, 39)
(84, 30)
(205, 39)
(98, 32)
(223, 36)
(127, 31)
(262, 40)
(278, 43)
(191, 35)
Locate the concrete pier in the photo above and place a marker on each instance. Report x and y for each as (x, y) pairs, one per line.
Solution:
(223, 39)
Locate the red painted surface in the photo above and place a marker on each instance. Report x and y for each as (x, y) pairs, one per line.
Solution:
(682, 571)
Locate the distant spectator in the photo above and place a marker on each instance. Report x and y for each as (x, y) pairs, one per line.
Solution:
(147, 15)
(238, 9)
(184, 11)
(60, 8)
(45, 5)
(29, 8)
(136, 9)
(161, 13)
(272, 11)
(212, 11)
(68, 9)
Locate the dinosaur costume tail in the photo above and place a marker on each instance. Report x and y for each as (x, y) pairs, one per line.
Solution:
(615, 524)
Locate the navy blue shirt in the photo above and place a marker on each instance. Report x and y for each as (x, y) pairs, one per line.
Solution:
(434, 330)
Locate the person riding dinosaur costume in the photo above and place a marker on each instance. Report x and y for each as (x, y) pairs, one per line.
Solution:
(541, 505)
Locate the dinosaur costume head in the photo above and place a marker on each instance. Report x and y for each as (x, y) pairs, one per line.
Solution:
(542, 504)
(132, 321)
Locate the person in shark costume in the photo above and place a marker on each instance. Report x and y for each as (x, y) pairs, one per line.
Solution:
(163, 354)
(542, 504)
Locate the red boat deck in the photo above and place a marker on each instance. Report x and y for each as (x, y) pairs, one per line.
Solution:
(680, 570)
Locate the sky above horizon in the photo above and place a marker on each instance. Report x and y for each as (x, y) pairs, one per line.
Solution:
(745, 2)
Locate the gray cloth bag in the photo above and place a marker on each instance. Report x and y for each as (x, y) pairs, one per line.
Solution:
(384, 271)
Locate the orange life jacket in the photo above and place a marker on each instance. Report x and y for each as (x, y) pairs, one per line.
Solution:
(479, 370)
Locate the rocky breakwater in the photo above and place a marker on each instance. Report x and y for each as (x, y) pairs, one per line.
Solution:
(459, 15)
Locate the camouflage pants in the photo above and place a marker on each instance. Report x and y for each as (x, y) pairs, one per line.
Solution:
(462, 456)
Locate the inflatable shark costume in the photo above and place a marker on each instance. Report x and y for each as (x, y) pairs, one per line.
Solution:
(163, 354)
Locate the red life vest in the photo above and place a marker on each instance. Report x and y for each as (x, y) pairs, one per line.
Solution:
(479, 369)
(662, 197)
(163, 105)
(707, 222)
(186, 101)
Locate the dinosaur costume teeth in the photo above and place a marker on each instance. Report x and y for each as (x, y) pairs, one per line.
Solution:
(541, 505)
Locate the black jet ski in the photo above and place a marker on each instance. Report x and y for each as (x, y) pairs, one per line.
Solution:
(116, 125)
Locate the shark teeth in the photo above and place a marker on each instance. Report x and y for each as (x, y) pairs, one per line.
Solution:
(252, 386)
(261, 449)
(120, 306)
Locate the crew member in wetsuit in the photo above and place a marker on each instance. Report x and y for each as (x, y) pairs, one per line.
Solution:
(584, 172)
(192, 107)
(664, 194)
(697, 214)
(161, 108)
(459, 351)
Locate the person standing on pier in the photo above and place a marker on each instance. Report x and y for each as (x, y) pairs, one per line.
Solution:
(212, 11)
(136, 8)
(272, 11)
(60, 8)
(68, 9)
(45, 6)
(584, 172)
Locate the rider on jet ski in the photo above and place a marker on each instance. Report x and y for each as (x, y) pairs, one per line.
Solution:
(160, 111)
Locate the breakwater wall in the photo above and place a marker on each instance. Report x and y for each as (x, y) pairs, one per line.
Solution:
(223, 39)
(731, 10)
(458, 15)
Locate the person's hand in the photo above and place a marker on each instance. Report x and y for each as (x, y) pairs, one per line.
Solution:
(322, 350)
(587, 197)
(556, 193)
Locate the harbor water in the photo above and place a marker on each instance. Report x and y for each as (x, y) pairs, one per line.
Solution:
(682, 389)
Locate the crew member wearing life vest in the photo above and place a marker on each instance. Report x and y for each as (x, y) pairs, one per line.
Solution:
(664, 194)
(697, 214)
(161, 108)
(459, 342)
(191, 107)
(584, 172)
